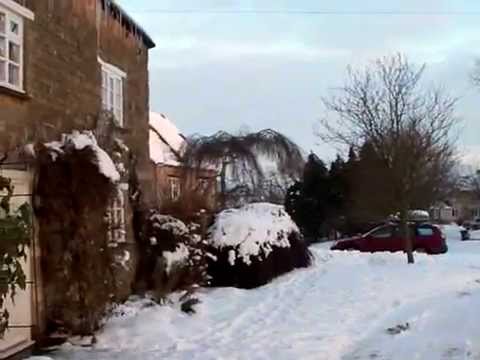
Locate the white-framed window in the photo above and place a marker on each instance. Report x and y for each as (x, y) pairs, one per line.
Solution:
(11, 49)
(175, 188)
(116, 219)
(112, 90)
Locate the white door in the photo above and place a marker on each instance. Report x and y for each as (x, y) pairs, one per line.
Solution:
(19, 336)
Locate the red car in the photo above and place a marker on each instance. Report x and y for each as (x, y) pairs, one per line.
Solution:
(428, 238)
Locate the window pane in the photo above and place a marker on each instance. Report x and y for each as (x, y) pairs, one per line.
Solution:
(14, 52)
(382, 233)
(2, 23)
(14, 74)
(425, 232)
(3, 75)
(3, 47)
(118, 92)
(14, 27)
(118, 115)
(110, 94)
(104, 98)
(104, 79)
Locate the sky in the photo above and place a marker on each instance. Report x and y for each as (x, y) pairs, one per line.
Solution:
(215, 71)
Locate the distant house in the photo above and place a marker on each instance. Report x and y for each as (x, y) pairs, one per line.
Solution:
(61, 64)
(174, 181)
(466, 203)
(443, 213)
(463, 204)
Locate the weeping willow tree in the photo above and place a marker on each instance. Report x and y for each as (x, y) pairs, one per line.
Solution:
(15, 238)
(240, 159)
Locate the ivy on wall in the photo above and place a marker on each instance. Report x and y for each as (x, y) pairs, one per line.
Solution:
(15, 230)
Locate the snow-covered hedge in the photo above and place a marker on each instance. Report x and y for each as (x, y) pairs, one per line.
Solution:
(253, 244)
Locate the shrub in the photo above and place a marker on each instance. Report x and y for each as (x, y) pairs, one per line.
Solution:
(15, 233)
(76, 180)
(254, 244)
(172, 256)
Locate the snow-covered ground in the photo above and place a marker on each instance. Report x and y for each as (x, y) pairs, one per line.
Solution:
(340, 308)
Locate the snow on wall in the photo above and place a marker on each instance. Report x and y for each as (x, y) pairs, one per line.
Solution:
(81, 140)
(252, 230)
(160, 152)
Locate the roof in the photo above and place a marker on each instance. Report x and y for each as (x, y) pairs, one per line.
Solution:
(166, 142)
(128, 21)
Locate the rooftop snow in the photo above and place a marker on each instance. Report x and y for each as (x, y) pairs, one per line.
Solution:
(164, 149)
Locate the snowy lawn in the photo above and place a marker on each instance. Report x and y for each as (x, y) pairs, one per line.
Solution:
(340, 308)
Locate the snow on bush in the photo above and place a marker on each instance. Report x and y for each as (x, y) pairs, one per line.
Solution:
(254, 244)
(168, 223)
(179, 257)
(173, 257)
(80, 141)
(252, 230)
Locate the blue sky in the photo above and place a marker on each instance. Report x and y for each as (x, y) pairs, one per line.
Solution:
(231, 71)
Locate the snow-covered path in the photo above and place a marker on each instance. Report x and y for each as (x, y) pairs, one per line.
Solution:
(338, 309)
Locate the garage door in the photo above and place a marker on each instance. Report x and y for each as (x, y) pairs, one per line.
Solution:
(18, 336)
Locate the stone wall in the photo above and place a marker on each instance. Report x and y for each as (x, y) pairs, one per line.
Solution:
(62, 83)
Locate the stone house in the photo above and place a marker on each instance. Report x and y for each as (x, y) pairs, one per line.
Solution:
(61, 64)
(173, 180)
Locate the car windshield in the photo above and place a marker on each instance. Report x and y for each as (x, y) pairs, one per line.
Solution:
(380, 231)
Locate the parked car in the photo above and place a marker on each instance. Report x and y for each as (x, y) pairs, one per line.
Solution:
(472, 225)
(428, 238)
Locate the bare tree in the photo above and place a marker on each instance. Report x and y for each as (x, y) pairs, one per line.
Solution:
(410, 129)
(238, 158)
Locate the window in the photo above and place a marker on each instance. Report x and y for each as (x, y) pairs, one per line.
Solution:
(116, 219)
(174, 185)
(11, 49)
(382, 232)
(425, 231)
(112, 90)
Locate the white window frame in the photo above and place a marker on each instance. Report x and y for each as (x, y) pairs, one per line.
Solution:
(175, 188)
(117, 232)
(13, 12)
(113, 90)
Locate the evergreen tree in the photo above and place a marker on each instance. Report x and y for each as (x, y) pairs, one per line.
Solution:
(307, 201)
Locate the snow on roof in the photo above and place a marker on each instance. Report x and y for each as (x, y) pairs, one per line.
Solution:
(166, 143)
(252, 230)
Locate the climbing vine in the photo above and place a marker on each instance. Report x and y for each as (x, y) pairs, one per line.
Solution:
(15, 234)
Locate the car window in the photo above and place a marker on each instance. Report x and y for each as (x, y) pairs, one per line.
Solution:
(425, 231)
(382, 233)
